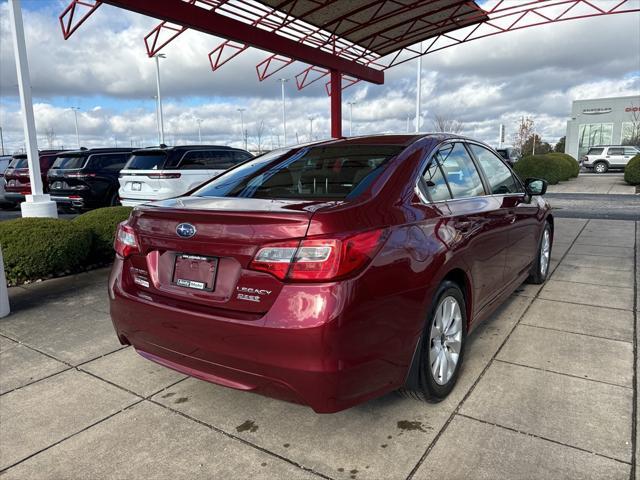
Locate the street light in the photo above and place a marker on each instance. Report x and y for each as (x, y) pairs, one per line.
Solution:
(351, 104)
(284, 111)
(244, 136)
(311, 119)
(157, 58)
(199, 120)
(75, 116)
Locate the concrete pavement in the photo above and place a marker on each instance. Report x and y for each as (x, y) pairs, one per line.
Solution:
(547, 391)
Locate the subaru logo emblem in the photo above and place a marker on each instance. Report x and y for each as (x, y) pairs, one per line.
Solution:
(186, 230)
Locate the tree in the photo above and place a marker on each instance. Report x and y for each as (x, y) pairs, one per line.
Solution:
(542, 147)
(442, 123)
(523, 133)
(259, 136)
(560, 146)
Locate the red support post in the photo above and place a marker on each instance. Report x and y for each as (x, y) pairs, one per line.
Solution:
(336, 104)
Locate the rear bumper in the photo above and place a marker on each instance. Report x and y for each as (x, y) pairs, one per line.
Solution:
(133, 202)
(327, 361)
(77, 202)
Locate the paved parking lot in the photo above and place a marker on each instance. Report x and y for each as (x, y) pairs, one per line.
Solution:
(547, 391)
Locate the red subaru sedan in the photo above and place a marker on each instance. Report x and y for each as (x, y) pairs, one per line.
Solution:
(332, 273)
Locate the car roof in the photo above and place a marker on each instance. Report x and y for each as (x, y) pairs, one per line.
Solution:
(401, 140)
(165, 148)
(92, 151)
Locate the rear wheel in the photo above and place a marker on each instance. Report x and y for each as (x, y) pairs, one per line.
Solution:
(115, 200)
(600, 167)
(540, 268)
(442, 346)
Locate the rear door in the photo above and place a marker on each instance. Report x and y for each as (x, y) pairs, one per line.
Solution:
(479, 220)
(615, 156)
(520, 212)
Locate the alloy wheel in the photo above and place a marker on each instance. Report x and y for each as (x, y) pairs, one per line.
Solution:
(545, 252)
(600, 168)
(445, 340)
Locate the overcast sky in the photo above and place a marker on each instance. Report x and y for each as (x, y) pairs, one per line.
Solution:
(103, 69)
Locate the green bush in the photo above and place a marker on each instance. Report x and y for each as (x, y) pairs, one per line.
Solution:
(549, 168)
(102, 224)
(632, 171)
(574, 166)
(36, 248)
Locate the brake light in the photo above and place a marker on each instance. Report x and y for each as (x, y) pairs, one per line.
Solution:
(318, 259)
(126, 242)
(163, 176)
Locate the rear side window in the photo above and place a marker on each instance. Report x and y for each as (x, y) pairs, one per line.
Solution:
(595, 151)
(109, 162)
(323, 172)
(460, 171)
(500, 178)
(69, 162)
(146, 161)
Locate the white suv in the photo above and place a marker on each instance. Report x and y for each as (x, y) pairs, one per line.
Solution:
(605, 157)
(159, 173)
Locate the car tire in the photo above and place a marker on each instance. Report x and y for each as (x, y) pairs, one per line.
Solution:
(115, 200)
(600, 167)
(540, 268)
(438, 348)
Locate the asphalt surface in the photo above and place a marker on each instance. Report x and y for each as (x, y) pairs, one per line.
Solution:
(595, 206)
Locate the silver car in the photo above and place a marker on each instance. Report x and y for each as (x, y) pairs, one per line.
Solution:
(602, 158)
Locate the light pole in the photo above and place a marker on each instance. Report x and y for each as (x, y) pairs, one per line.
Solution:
(311, 119)
(37, 203)
(199, 120)
(75, 117)
(284, 111)
(157, 58)
(351, 104)
(1, 141)
(244, 137)
(418, 90)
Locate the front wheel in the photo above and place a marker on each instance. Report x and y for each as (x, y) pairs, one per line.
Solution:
(442, 345)
(540, 268)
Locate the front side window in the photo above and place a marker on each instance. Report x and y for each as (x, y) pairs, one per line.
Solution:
(631, 151)
(460, 171)
(500, 178)
(322, 172)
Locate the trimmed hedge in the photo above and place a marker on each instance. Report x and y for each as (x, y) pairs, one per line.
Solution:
(632, 171)
(551, 169)
(102, 224)
(36, 248)
(574, 166)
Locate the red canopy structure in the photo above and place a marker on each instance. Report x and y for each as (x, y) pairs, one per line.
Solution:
(347, 40)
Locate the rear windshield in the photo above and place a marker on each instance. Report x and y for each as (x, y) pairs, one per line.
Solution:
(69, 162)
(595, 151)
(322, 172)
(146, 161)
(19, 162)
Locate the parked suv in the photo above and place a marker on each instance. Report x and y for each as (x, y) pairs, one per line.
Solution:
(163, 172)
(5, 160)
(18, 183)
(601, 158)
(510, 154)
(85, 179)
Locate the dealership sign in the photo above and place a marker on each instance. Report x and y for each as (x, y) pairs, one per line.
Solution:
(596, 111)
(632, 109)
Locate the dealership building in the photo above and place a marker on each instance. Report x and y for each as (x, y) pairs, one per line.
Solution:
(602, 121)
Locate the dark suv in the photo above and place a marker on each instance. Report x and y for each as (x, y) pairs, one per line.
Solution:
(84, 179)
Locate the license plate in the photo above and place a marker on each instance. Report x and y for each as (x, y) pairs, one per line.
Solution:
(194, 271)
(136, 186)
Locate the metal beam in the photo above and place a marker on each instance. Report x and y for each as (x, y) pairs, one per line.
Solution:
(336, 104)
(182, 13)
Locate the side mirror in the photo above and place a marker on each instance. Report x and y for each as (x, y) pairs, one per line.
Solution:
(535, 186)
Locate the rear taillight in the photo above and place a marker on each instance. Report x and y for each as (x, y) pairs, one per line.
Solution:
(163, 176)
(319, 258)
(584, 158)
(126, 242)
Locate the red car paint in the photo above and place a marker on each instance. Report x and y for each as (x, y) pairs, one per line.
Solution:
(329, 344)
(18, 181)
